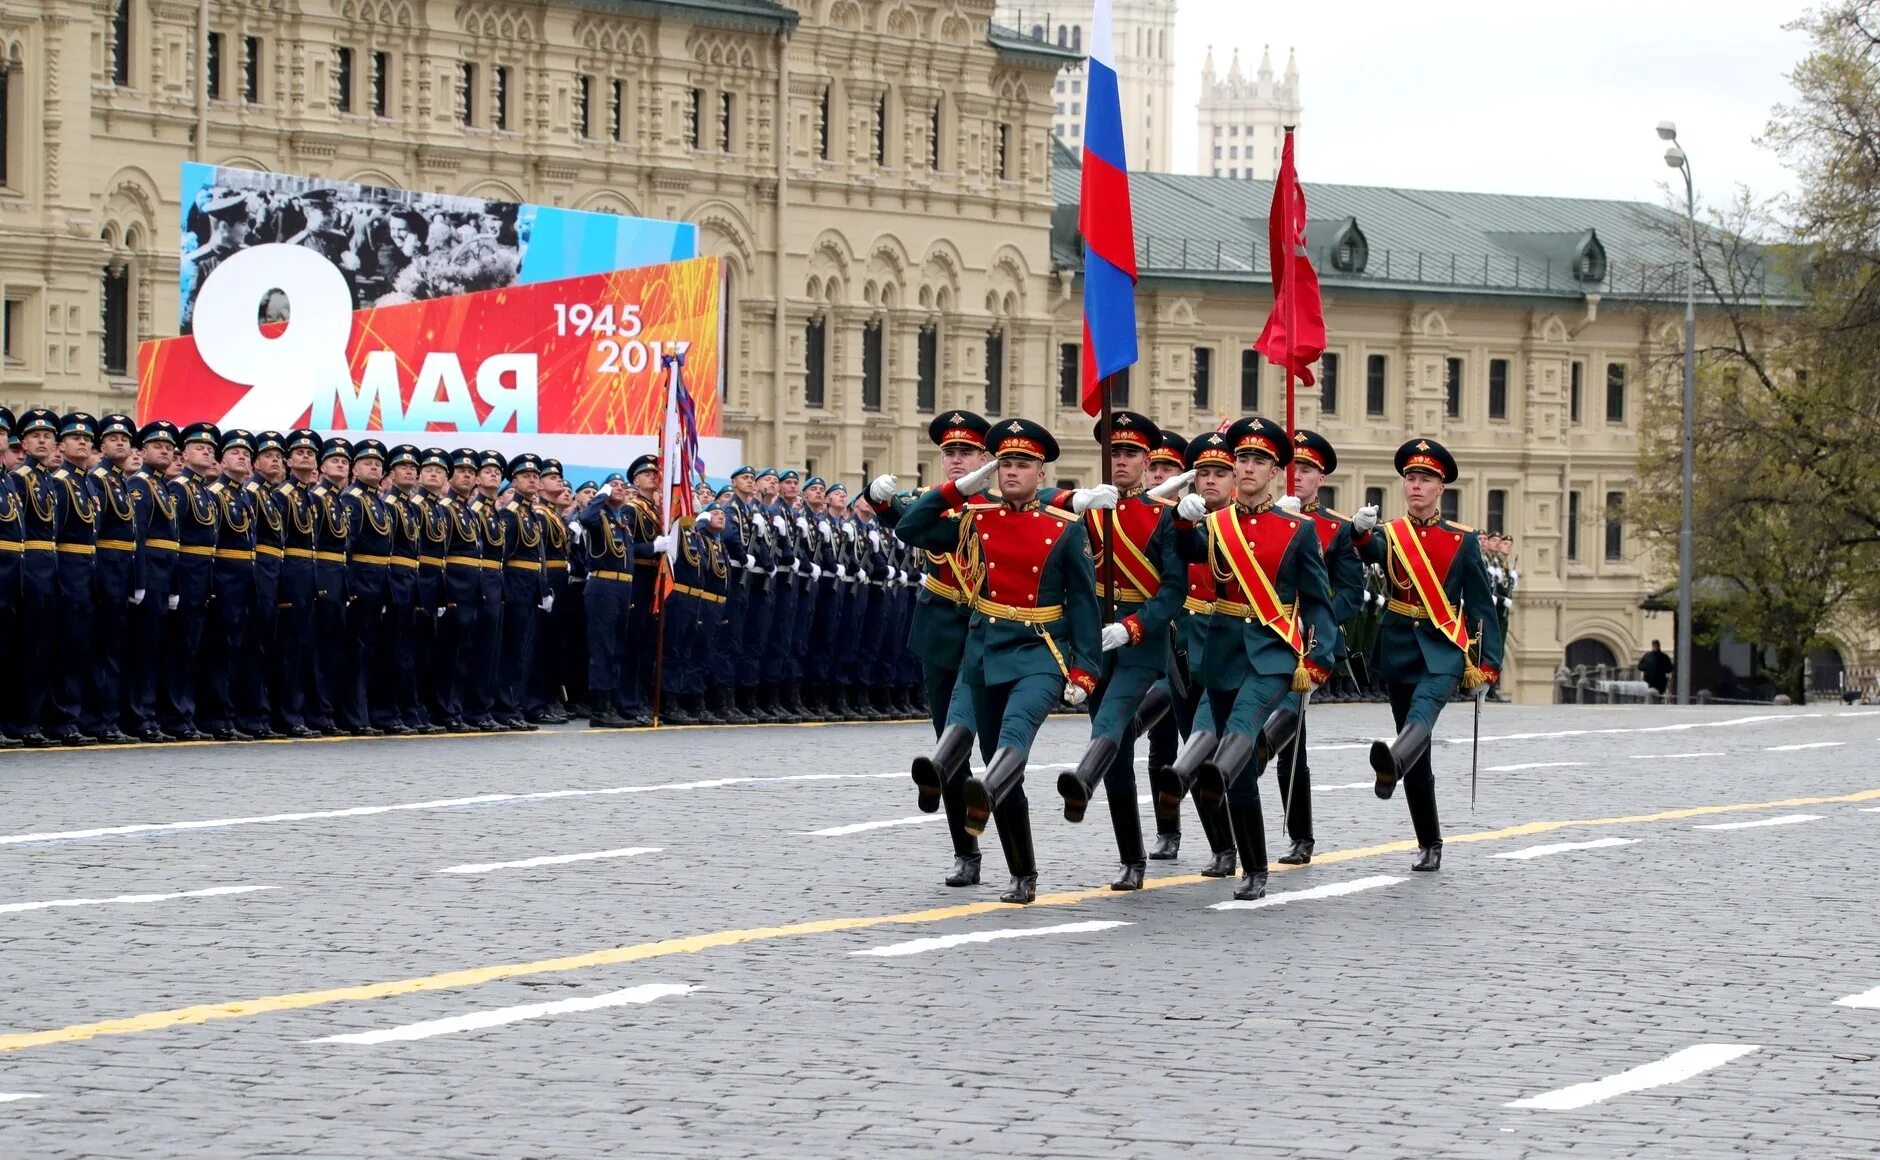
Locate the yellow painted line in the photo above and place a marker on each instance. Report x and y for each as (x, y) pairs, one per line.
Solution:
(692, 944)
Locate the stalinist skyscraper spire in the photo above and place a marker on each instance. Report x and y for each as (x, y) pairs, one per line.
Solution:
(1239, 121)
(1144, 32)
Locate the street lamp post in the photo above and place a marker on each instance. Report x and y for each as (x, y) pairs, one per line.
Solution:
(1676, 158)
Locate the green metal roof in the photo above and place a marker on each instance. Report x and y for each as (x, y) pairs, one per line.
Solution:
(764, 15)
(1015, 43)
(1201, 229)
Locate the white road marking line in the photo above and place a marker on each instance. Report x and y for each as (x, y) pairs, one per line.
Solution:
(1870, 999)
(549, 860)
(1531, 765)
(863, 827)
(1329, 890)
(1564, 847)
(440, 804)
(1658, 756)
(211, 892)
(1804, 745)
(10, 1097)
(1870, 809)
(1674, 1068)
(1347, 785)
(1784, 820)
(940, 942)
(645, 993)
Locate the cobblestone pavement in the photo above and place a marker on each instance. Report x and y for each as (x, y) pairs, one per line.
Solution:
(697, 988)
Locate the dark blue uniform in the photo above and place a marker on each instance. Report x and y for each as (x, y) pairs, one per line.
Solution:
(294, 620)
(332, 652)
(456, 660)
(255, 686)
(487, 645)
(155, 577)
(230, 611)
(12, 548)
(525, 589)
(77, 518)
(114, 581)
(608, 532)
(197, 524)
(394, 686)
(39, 596)
(368, 591)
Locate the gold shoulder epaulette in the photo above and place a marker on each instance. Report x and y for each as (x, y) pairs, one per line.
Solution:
(1325, 511)
(1165, 501)
(1061, 513)
(1459, 527)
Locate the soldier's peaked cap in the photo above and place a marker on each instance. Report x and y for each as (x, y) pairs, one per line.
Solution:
(1422, 454)
(1314, 448)
(1022, 437)
(1130, 429)
(959, 427)
(1258, 433)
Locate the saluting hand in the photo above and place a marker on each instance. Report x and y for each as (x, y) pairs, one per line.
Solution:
(977, 480)
(1168, 487)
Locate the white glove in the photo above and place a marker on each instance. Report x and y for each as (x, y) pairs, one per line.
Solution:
(882, 489)
(577, 532)
(1168, 487)
(548, 603)
(750, 561)
(441, 612)
(842, 571)
(903, 575)
(1192, 507)
(663, 544)
(1365, 519)
(850, 529)
(1115, 636)
(815, 571)
(828, 533)
(137, 597)
(978, 480)
(1074, 694)
(874, 538)
(174, 602)
(1102, 497)
(1287, 503)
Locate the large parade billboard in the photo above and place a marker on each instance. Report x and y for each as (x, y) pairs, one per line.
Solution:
(436, 320)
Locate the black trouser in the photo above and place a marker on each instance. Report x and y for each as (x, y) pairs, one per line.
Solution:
(1419, 782)
(1295, 786)
(521, 618)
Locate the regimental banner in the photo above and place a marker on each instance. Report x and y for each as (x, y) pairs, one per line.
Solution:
(566, 366)
(399, 245)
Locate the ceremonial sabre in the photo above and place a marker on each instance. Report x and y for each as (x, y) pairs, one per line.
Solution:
(1475, 742)
(1299, 732)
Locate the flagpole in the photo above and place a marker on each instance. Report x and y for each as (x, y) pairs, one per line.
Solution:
(1292, 322)
(1109, 515)
(665, 515)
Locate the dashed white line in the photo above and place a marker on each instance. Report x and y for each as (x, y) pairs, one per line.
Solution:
(549, 860)
(1329, 890)
(10, 1097)
(1784, 820)
(1869, 999)
(863, 827)
(440, 804)
(1347, 785)
(645, 993)
(1664, 756)
(1804, 745)
(130, 899)
(1564, 847)
(1532, 765)
(1674, 1068)
(941, 942)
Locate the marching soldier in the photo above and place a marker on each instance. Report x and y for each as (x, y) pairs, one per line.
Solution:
(115, 579)
(76, 519)
(1271, 632)
(1135, 546)
(1284, 737)
(333, 531)
(526, 596)
(256, 687)
(39, 567)
(1439, 630)
(373, 527)
(153, 585)
(295, 652)
(198, 522)
(1032, 643)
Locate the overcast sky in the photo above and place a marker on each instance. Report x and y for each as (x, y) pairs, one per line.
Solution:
(1507, 97)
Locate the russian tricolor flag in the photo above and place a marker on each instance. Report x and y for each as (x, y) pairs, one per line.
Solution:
(1108, 228)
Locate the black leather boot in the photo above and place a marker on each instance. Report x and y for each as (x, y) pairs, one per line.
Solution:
(1004, 773)
(965, 846)
(1153, 706)
(1227, 766)
(1274, 736)
(730, 710)
(1429, 858)
(1015, 837)
(675, 712)
(949, 755)
(1390, 760)
(1187, 767)
(1127, 823)
(1300, 855)
(1076, 785)
(1168, 822)
(1215, 824)
(1250, 836)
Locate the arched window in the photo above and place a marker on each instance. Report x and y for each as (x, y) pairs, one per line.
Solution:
(1590, 653)
(12, 123)
(1077, 39)
(1037, 32)
(1063, 36)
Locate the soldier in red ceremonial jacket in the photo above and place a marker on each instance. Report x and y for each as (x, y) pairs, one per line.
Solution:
(1271, 633)
(1145, 581)
(1032, 642)
(1439, 629)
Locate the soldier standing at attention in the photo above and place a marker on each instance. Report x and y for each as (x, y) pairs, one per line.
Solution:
(155, 578)
(457, 662)
(257, 688)
(642, 510)
(393, 690)
(368, 585)
(433, 596)
(1032, 643)
(608, 532)
(76, 519)
(115, 579)
(333, 532)
(1439, 629)
(197, 522)
(12, 548)
(526, 598)
(226, 641)
(39, 566)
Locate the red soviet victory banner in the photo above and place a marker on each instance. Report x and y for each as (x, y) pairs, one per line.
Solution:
(1294, 336)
